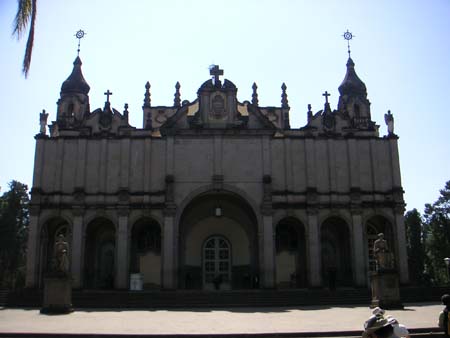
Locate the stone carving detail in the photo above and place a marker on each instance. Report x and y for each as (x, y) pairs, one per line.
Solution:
(383, 256)
(60, 255)
(218, 110)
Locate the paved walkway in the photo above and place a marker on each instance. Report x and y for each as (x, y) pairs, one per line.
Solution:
(203, 321)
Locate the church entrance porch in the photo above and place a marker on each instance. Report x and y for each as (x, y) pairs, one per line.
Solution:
(218, 244)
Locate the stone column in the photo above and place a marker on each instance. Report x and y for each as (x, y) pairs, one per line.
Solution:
(32, 248)
(122, 250)
(168, 250)
(359, 276)
(402, 256)
(268, 248)
(76, 252)
(314, 252)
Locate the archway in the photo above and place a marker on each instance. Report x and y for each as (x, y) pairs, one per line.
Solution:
(100, 254)
(336, 253)
(212, 225)
(290, 254)
(145, 252)
(49, 234)
(374, 226)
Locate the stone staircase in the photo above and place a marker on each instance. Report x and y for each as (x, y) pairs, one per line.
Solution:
(237, 298)
(197, 299)
(3, 297)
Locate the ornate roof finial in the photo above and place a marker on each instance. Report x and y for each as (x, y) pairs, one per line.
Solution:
(284, 99)
(79, 35)
(309, 114)
(177, 96)
(107, 103)
(327, 104)
(348, 36)
(255, 94)
(147, 96)
(125, 111)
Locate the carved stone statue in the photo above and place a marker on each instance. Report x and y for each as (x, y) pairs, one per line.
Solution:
(382, 254)
(61, 251)
(43, 122)
(389, 119)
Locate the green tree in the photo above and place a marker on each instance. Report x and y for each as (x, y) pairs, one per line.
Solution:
(416, 251)
(437, 219)
(26, 15)
(14, 220)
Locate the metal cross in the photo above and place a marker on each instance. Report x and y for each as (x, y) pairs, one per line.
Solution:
(79, 35)
(326, 94)
(348, 36)
(216, 72)
(108, 93)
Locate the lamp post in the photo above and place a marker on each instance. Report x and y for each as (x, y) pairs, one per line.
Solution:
(447, 264)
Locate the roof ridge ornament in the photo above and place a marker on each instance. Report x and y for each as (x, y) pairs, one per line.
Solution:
(348, 36)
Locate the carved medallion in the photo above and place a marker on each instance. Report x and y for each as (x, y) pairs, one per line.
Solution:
(218, 107)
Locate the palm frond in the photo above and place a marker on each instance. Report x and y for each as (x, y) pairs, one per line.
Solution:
(23, 15)
(30, 40)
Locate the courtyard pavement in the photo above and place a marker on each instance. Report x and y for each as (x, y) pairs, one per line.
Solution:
(211, 320)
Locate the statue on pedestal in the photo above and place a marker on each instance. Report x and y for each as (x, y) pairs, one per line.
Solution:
(382, 254)
(61, 260)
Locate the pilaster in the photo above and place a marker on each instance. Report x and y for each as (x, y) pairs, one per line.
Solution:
(168, 249)
(76, 253)
(401, 244)
(122, 249)
(32, 248)
(359, 270)
(314, 254)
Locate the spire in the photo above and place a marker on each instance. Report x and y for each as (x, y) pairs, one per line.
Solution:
(352, 84)
(284, 100)
(177, 99)
(147, 96)
(75, 83)
(255, 94)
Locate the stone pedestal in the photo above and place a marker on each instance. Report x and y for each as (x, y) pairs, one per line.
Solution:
(385, 289)
(57, 295)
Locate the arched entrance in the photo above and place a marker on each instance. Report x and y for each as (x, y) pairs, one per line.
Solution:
(336, 253)
(290, 254)
(218, 243)
(145, 253)
(49, 234)
(374, 226)
(100, 254)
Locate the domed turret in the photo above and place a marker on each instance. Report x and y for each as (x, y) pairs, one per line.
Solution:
(352, 84)
(75, 83)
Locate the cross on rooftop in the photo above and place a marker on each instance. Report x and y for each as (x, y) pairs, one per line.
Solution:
(326, 94)
(108, 93)
(216, 72)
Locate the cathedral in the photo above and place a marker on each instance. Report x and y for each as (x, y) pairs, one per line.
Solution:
(214, 193)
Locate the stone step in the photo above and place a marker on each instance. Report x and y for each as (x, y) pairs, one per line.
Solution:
(3, 296)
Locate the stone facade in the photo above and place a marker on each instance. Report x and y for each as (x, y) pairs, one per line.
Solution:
(215, 193)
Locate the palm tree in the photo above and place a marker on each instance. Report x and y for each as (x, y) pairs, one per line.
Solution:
(26, 14)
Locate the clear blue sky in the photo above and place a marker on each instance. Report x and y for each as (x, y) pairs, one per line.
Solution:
(401, 50)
